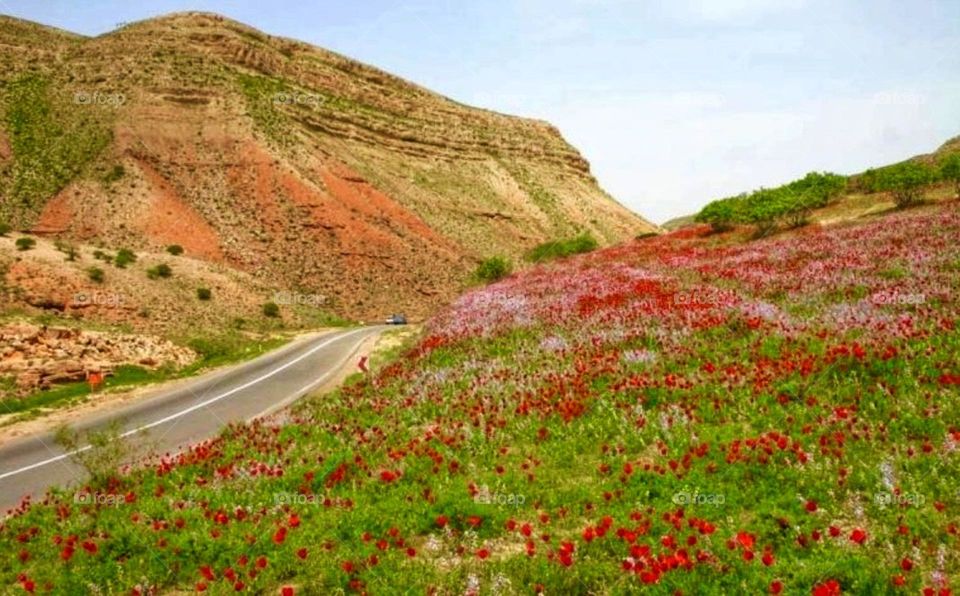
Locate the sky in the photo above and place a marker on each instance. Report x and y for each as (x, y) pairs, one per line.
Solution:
(674, 103)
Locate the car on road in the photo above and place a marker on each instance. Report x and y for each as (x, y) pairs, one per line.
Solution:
(397, 319)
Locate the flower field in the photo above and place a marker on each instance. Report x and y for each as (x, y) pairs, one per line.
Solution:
(681, 414)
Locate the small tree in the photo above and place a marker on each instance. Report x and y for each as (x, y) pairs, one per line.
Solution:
(799, 208)
(101, 453)
(204, 294)
(175, 249)
(25, 243)
(906, 182)
(492, 269)
(270, 309)
(5, 228)
(950, 170)
(764, 208)
(722, 214)
(95, 274)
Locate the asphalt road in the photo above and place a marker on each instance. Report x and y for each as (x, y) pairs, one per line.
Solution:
(196, 409)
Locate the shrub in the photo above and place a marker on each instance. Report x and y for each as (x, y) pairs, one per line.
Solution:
(68, 249)
(161, 270)
(764, 208)
(562, 248)
(792, 203)
(949, 170)
(204, 294)
(25, 243)
(906, 182)
(95, 274)
(175, 249)
(106, 453)
(722, 214)
(5, 228)
(115, 173)
(492, 269)
(124, 257)
(270, 309)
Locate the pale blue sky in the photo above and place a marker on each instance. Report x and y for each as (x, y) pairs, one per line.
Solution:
(674, 103)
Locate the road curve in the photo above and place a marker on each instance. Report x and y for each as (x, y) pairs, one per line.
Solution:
(170, 419)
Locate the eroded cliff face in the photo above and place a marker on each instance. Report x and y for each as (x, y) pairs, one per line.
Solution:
(281, 159)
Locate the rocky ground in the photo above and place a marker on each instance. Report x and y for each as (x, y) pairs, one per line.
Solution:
(37, 357)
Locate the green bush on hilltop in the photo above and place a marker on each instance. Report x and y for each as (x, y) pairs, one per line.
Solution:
(950, 171)
(906, 182)
(766, 208)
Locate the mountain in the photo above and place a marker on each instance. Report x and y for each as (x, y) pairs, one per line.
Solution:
(285, 161)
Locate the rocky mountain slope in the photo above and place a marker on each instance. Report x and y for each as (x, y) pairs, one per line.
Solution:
(290, 163)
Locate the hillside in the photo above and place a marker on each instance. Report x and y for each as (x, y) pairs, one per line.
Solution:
(290, 163)
(861, 197)
(772, 417)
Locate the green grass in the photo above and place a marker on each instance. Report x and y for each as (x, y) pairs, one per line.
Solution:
(556, 249)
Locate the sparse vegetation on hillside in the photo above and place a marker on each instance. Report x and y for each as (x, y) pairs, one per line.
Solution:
(68, 249)
(555, 249)
(52, 142)
(271, 309)
(175, 249)
(204, 294)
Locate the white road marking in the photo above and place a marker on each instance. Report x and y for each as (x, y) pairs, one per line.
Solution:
(192, 408)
